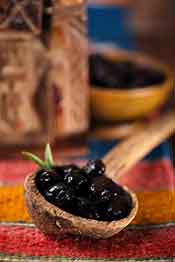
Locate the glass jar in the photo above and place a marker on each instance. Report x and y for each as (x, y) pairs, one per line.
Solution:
(68, 79)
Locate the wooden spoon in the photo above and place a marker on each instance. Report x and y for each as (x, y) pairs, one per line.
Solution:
(56, 222)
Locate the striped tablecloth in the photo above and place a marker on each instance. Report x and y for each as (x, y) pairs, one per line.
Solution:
(151, 237)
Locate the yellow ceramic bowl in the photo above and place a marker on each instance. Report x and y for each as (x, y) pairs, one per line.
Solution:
(114, 104)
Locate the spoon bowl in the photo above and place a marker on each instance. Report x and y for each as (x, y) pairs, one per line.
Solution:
(57, 223)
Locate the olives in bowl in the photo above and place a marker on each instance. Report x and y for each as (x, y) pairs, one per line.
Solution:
(127, 85)
(68, 199)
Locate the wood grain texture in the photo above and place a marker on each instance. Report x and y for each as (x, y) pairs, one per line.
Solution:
(129, 152)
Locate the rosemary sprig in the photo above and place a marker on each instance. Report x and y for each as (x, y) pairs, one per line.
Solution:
(48, 156)
(48, 161)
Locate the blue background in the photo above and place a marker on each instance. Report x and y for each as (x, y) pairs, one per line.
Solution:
(110, 24)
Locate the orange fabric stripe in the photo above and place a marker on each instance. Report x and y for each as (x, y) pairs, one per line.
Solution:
(154, 207)
(12, 207)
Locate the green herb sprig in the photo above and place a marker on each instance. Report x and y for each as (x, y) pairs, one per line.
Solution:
(48, 161)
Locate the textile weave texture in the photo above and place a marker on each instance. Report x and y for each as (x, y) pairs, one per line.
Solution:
(151, 237)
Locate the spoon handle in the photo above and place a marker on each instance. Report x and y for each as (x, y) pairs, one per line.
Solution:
(125, 155)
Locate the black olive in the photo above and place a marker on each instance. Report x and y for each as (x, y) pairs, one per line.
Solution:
(95, 168)
(60, 195)
(45, 179)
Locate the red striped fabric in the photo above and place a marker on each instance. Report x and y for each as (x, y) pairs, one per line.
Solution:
(151, 176)
(152, 243)
(137, 242)
(158, 175)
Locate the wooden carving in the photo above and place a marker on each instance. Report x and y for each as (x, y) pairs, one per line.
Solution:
(19, 83)
(21, 15)
(69, 55)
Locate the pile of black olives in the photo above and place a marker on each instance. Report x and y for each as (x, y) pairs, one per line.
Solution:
(121, 74)
(85, 191)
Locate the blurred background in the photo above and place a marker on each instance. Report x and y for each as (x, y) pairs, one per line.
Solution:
(64, 101)
(144, 26)
(140, 24)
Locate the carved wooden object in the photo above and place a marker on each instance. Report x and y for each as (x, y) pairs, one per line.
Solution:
(68, 52)
(19, 84)
(21, 15)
